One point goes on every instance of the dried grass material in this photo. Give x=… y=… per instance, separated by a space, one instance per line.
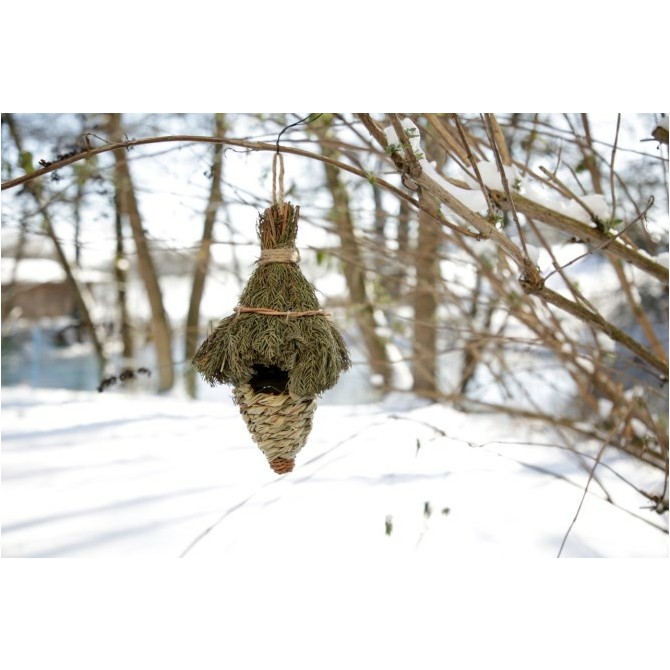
x=282 y=466
x=310 y=348
x=279 y=424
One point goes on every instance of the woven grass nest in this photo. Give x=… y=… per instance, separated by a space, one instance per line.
x=279 y=350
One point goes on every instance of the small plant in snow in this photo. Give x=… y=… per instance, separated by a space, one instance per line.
x=388 y=524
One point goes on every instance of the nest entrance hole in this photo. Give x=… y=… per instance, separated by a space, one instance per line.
x=269 y=379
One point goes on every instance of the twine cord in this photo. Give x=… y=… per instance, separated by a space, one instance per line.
x=290 y=255
x=273 y=312
x=278 y=178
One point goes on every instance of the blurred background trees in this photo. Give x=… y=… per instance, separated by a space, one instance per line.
x=511 y=262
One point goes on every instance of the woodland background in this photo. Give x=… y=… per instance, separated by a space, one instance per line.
x=511 y=263
x=359 y=606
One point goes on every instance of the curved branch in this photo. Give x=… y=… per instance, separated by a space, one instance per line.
x=245 y=144
x=595 y=319
x=585 y=233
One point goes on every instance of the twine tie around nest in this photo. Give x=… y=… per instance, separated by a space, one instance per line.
x=240 y=309
x=289 y=255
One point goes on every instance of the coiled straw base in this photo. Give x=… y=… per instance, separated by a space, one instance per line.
x=279 y=424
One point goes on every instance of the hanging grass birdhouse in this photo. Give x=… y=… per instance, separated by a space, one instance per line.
x=278 y=350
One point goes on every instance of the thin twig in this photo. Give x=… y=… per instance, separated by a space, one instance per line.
x=402 y=138
x=499 y=139
x=274 y=480
x=578 y=295
x=475 y=167
x=485 y=445
x=638 y=311
x=583 y=232
x=614 y=148
x=588 y=482
x=595 y=319
x=448 y=142
x=607 y=242
x=588 y=156
x=529 y=267
x=246 y=144
x=569 y=193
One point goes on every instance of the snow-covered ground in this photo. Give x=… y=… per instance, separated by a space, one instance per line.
x=120 y=474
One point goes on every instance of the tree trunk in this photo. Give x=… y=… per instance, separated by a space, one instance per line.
x=475 y=346
x=9 y=290
x=79 y=195
x=128 y=203
x=121 y=278
x=354 y=273
x=424 y=359
x=202 y=260
x=398 y=277
x=589 y=161
x=34 y=188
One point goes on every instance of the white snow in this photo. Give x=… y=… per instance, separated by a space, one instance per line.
x=595 y=202
x=546 y=197
x=585 y=364
x=538 y=192
x=473 y=199
x=413 y=136
x=116 y=475
x=490 y=175
x=533 y=253
x=605 y=406
x=32 y=270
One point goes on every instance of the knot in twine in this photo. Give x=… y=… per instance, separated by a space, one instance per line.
x=290 y=255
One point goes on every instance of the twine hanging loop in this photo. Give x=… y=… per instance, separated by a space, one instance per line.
x=278 y=179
